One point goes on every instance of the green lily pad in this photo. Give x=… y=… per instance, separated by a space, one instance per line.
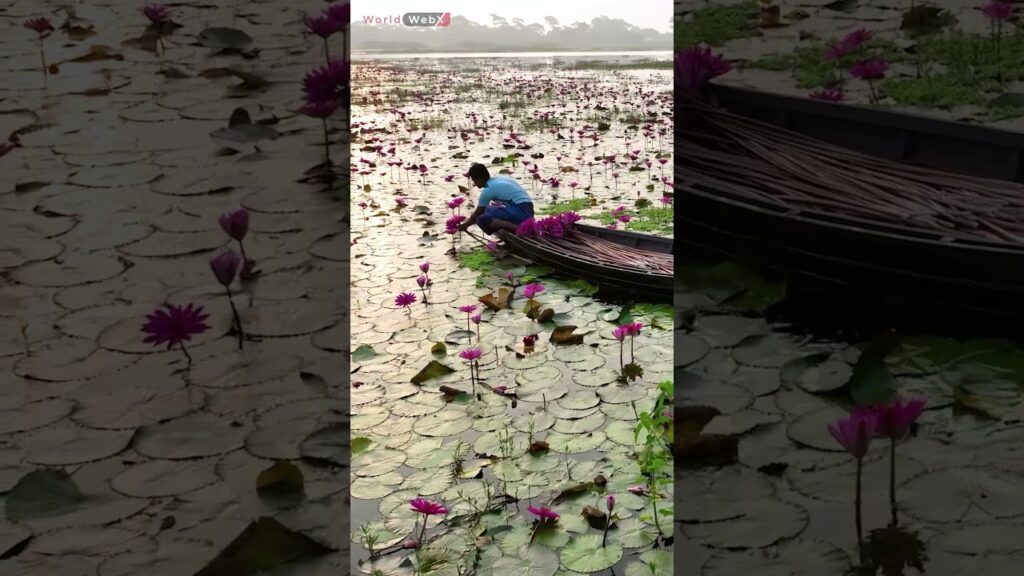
x=363 y=353
x=585 y=554
x=632 y=533
x=651 y=563
x=359 y=444
x=527 y=561
x=447 y=422
x=377 y=462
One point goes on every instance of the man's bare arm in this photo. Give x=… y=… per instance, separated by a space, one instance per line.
x=472 y=218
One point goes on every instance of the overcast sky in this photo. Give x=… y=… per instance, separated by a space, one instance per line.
x=656 y=14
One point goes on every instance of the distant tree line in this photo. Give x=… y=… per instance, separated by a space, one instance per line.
x=503 y=35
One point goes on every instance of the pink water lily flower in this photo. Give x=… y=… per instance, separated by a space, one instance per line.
x=40 y=26
x=997 y=10
x=235 y=224
x=854 y=433
x=157 y=13
x=532 y=289
x=468 y=308
x=544 y=513
x=225 y=267
x=425 y=267
x=405 y=300
x=175 y=326
x=828 y=95
x=427 y=507
x=475 y=319
x=529 y=340
x=470 y=354
x=870 y=69
x=620 y=332
x=893 y=420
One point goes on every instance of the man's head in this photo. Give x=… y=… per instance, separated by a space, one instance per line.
x=479 y=174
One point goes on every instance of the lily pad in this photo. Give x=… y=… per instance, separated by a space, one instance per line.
x=221 y=38
x=794 y=558
x=527 y=561
x=586 y=555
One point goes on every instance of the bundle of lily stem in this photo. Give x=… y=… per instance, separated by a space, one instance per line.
x=750 y=160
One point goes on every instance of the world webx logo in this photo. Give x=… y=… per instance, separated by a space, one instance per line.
x=437 y=19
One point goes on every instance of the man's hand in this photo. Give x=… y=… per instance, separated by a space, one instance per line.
x=464 y=226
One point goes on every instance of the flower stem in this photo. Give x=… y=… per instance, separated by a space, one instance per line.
x=424 y=530
x=607 y=523
x=42 y=55
x=892 y=480
x=237 y=318
x=860 y=539
x=622 y=366
x=874 y=96
x=185 y=350
x=327 y=140
x=327 y=52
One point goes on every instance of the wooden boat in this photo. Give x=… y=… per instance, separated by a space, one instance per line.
x=640 y=283
x=910 y=260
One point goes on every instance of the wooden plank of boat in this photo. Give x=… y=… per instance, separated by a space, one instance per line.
x=615 y=278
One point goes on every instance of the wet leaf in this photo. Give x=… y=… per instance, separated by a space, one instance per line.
x=433 y=369
x=281 y=485
x=263 y=546
x=439 y=348
x=360 y=445
x=364 y=353
x=44 y=493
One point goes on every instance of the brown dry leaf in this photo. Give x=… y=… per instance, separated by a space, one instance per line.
x=564 y=335
x=546 y=315
x=538 y=446
x=595 y=518
x=97 y=53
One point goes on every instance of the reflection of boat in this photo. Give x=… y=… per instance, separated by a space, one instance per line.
x=954 y=237
x=613 y=259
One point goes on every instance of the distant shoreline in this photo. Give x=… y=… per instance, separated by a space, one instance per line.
x=603 y=50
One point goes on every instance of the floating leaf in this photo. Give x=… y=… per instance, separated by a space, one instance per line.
x=281 y=485
x=439 y=348
x=433 y=369
x=817 y=373
x=43 y=493
x=263 y=546
x=219 y=38
x=363 y=353
x=652 y=563
x=360 y=445
x=585 y=554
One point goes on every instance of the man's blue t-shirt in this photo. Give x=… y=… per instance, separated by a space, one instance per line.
x=503 y=189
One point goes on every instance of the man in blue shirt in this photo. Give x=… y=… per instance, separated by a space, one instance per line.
x=512 y=205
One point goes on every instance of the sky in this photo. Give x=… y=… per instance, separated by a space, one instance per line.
x=656 y=14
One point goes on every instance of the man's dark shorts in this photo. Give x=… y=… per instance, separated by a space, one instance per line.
x=514 y=213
